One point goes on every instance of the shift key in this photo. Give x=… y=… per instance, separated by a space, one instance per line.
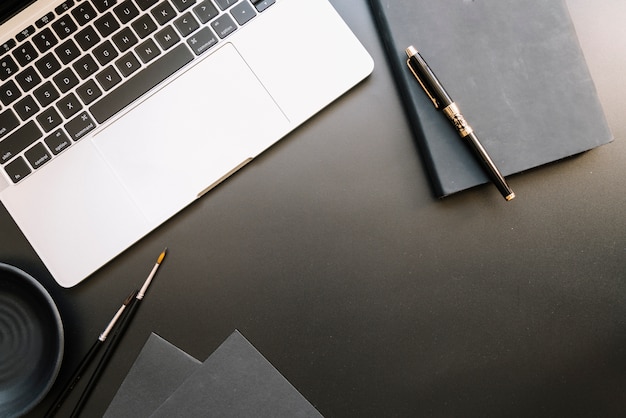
x=8 y=122
x=18 y=141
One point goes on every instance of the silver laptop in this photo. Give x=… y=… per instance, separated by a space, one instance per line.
x=116 y=114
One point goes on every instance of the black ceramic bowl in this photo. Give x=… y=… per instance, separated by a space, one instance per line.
x=31 y=342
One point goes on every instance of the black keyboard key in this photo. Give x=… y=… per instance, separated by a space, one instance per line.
x=144 y=26
x=84 y=13
x=124 y=39
x=57 y=141
x=127 y=64
x=44 y=20
x=87 y=38
x=89 y=92
x=164 y=12
x=7 y=46
x=67 y=51
x=108 y=78
x=225 y=4
x=126 y=11
x=106 y=25
x=147 y=51
x=186 y=24
x=243 y=12
x=202 y=41
x=167 y=37
x=46 y=94
x=25 y=54
x=223 y=26
x=85 y=66
x=49 y=119
x=8 y=67
x=45 y=40
x=205 y=11
x=8 y=122
x=69 y=105
x=48 y=65
x=135 y=87
x=25 y=33
x=103 y=5
x=26 y=108
x=9 y=92
x=18 y=141
x=28 y=79
x=37 y=155
x=105 y=53
x=80 y=126
x=64 y=27
x=18 y=169
x=64 y=7
x=65 y=80
x=145 y=4
x=183 y=5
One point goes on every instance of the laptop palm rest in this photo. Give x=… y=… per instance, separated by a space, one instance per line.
x=183 y=142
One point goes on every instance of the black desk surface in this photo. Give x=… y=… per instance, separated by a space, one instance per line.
x=373 y=298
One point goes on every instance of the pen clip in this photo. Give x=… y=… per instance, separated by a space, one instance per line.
x=412 y=53
x=419 y=80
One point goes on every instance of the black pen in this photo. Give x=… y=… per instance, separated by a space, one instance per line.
x=442 y=101
x=78 y=373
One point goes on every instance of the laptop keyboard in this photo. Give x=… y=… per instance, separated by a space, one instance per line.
x=83 y=62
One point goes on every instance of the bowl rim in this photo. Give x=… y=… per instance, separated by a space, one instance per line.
x=60 y=343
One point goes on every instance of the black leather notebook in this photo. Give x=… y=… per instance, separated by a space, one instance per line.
x=517 y=72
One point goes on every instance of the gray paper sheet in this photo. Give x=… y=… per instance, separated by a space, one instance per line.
x=159 y=369
x=236 y=381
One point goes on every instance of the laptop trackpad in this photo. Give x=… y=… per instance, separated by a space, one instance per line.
x=190 y=134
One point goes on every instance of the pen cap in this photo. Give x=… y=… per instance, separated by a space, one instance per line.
x=427 y=79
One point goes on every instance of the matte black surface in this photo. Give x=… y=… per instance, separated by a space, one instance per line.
x=370 y=296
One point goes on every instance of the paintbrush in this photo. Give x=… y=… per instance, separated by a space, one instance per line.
x=127 y=316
